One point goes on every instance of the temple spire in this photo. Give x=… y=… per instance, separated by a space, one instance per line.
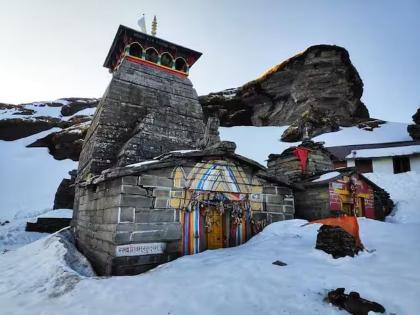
x=154 y=26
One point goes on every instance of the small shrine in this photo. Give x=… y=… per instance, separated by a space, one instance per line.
x=133 y=218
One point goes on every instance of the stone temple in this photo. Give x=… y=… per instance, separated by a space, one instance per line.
x=145 y=192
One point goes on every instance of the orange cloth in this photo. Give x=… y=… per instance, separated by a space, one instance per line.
x=347 y=223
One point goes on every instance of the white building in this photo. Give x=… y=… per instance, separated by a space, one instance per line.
x=391 y=158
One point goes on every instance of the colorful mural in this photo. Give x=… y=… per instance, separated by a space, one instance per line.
x=215 y=199
x=352 y=195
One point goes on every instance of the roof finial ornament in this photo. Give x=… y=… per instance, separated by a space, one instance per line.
x=142 y=24
x=154 y=26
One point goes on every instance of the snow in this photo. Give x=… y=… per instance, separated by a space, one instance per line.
x=258 y=142
x=49 y=276
x=326 y=176
x=183 y=151
x=29 y=177
x=404 y=189
x=43 y=109
x=58 y=213
x=38 y=279
x=394 y=151
x=13 y=234
x=142 y=163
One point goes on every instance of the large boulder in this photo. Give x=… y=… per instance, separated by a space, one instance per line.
x=66 y=143
x=322 y=77
x=64 y=197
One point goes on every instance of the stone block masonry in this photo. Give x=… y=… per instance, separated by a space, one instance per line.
x=121 y=215
x=143 y=113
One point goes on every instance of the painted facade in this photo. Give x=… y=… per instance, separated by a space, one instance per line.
x=349 y=193
x=352 y=195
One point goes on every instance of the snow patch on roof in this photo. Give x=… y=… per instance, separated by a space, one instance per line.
x=381 y=152
x=326 y=176
x=142 y=163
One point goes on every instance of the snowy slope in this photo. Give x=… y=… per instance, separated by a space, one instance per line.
x=404 y=189
x=258 y=142
x=36 y=279
x=49 y=277
x=29 y=177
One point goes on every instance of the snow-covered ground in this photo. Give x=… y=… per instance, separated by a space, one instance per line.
x=49 y=277
x=404 y=189
x=29 y=177
x=13 y=234
x=258 y=142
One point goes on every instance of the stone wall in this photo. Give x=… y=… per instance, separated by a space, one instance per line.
x=126 y=210
x=288 y=165
x=137 y=210
x=143 y=113
x=313 y=203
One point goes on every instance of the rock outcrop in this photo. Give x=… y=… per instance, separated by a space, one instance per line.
x=64 y=197
x=414 y=130
x=66 y=143
x=322 y=78
x=336 y=241
x=23 y=120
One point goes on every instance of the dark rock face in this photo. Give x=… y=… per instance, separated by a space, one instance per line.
x=77 y=104
x=322 y=77
x=416 y=117
x=64 y=197
x=66 y=143
x=337 y=242
x=47 y=225
x=17 y=128
x=144 y=113
x=23 y=120
x=312 y=123
x=414 y=130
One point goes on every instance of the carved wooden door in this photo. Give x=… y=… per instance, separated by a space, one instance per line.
x=214 y=230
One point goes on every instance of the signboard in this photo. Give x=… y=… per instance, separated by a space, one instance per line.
x=140 y=249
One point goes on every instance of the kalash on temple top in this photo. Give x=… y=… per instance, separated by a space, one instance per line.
x=140 y=47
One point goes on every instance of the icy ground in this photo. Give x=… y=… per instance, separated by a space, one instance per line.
x=49 y=277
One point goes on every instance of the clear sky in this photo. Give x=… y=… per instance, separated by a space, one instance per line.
x=55 y=48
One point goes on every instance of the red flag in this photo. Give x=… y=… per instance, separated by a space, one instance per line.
x=302 y=154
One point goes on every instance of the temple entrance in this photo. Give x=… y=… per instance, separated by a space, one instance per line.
x=214 y=229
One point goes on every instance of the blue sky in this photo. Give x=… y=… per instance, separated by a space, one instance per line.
x=55 y=48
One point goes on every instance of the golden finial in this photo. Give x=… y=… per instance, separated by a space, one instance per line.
x=154 y=26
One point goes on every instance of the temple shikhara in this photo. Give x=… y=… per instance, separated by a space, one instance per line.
x=154 y=182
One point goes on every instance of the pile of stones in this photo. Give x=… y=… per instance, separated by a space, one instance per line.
x=336 y=241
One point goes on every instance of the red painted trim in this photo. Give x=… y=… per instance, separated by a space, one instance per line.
x=156 y=66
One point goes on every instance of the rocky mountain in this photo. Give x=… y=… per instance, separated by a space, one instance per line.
x=414 y=129
x=319 y=82
x=60 y=126
x=71 y=115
